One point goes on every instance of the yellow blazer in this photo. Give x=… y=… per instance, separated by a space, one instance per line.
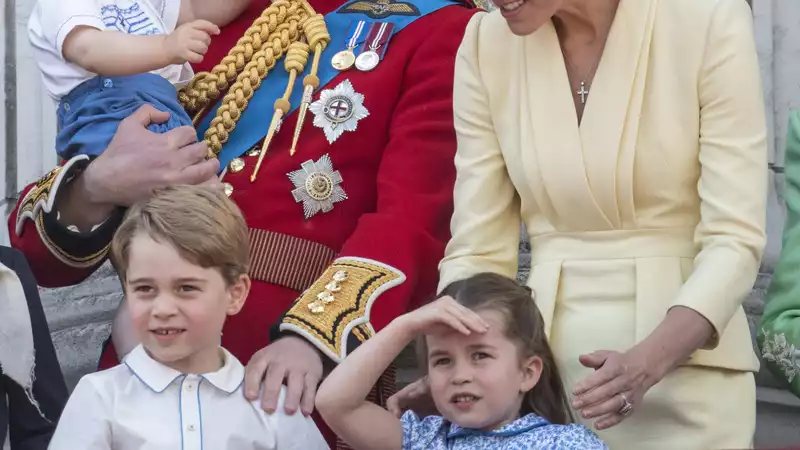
x=668 y=167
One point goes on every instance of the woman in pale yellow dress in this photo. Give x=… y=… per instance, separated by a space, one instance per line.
x=629 y=137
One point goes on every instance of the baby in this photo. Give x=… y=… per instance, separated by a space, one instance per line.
x=103 y=59
x=183 y=260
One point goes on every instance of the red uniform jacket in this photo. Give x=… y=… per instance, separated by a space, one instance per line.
x=381 y=244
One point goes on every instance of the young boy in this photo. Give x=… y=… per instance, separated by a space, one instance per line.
x=103 y=59
x=183 y=260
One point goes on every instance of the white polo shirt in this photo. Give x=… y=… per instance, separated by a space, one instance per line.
x=144 y=405
x=52 y=20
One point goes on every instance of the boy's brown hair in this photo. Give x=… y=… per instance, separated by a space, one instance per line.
x=203 y=224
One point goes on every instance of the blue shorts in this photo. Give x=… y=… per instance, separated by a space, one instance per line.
x=88 y=116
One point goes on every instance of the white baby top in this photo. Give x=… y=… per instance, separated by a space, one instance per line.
x=52 y=20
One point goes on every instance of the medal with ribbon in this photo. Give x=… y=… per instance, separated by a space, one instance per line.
x=374 y=46
x=346 y=58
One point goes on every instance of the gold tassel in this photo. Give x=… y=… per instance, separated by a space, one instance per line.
x=318 y=37
x=295 y=62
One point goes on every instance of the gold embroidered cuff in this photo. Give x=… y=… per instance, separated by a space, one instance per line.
x=41 y=198
x=71 y=247
x=339 y=304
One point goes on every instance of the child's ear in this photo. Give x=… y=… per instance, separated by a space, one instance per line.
x=531 y=372
x=237 y=292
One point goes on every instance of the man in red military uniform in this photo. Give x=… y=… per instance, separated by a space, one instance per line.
x=349 y=210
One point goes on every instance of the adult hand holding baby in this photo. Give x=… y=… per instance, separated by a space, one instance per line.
x=136 y=163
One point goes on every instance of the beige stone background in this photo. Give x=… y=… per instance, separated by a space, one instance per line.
x=79 y=316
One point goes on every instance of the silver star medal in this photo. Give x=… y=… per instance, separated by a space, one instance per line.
x=317 y=185
x=338 y=110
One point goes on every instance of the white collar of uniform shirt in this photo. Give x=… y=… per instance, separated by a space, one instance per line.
x=158 y=377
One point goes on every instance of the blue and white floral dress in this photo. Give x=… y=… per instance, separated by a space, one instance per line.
x=526 y=433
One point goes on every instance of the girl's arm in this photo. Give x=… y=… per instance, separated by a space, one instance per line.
x=112 y=53
x=342 y=397
x=217 y=12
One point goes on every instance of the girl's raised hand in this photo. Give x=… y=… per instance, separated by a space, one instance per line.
x=443 y=315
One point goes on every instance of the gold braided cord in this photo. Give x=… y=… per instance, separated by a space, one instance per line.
x=205 y=87
x=235 y=101
x=316 y=33
x=275 y=33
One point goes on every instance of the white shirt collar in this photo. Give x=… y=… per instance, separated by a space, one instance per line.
x=158 y=377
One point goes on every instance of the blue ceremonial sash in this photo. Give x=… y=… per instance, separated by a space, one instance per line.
x=253 y=124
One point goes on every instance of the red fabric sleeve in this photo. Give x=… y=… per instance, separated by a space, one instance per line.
x=48 y=270
x=57 y=256
x=410 y=227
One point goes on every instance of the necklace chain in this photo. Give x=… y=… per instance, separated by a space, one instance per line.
x=583 y=92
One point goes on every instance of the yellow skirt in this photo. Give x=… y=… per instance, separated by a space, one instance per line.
x=692 y=408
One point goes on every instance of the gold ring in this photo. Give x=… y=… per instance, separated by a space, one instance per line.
x=626 y=407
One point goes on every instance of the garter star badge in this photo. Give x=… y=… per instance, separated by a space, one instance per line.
x=317 y=186
x=338 y=110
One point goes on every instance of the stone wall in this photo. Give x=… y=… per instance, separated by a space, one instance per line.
x=80 y=320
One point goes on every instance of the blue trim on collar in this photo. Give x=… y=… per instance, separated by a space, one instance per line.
x=200 y=412
x=519 y=426
x=156 y=376
x=180 y=410
x=229 y=377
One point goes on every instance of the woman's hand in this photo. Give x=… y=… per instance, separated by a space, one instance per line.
x=416 y=397
x=623 y=378
x=617 y=386
x=443 y=315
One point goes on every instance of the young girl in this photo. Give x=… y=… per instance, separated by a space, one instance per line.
x=103 y=59
x=490 y=370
